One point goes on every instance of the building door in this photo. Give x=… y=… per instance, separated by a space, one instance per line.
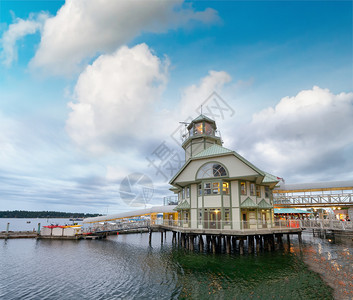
x=245 y=219
x=215 y=218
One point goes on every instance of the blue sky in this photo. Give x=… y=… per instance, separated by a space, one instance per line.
x=89 y=91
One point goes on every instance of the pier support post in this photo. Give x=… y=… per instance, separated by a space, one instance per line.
x=250 y=240
x=208 y=242
x=300 y=238
x=213 y=242
x=257 y=238
x=234 y=243
x=150 y=237
x=241 y=246
x=200 y=243
x=162 y=237
x=182 y=235
x=228 y=245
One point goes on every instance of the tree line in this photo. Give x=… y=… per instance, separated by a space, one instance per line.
x=43 y=214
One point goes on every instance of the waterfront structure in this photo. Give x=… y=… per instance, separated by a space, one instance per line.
x=217 y=188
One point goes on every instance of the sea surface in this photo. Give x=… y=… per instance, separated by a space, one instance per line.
x=126 y=267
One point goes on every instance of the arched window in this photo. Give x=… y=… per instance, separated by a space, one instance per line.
x=211 y=170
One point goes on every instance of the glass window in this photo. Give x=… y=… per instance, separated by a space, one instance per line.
x=225 y=188
x=208 y=129
x=215 y=188
x=200 y=216
x=252 y=189
x=198 y=128
x=243 y=188
x=200 y=190
x=267 y=192
x=211 y=170
x=183 y=194
x=188 y=192
x=227 y=215
x=258 y=191
x=207 y=188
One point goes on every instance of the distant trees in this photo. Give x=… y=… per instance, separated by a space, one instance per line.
x=43 y=214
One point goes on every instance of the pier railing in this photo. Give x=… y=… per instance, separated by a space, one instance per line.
x=252 y=225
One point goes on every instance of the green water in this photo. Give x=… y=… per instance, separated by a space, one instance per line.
x=277 y=275
x=126 y=267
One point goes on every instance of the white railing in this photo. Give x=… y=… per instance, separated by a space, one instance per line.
x=231 y=225
x=312 y=199
x=327 y=224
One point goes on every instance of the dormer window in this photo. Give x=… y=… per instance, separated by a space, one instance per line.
x=211 y=170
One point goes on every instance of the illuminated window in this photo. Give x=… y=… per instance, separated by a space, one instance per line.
x=198 y=128
x=225 y=188
x=227 y=216
x=258 y=191
x=252 y=189
x=215 y=188
x=243 y=188
x=211 y=170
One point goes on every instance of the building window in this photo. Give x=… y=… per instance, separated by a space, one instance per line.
x=227 y=216
x=211 y=170
x=200 y=216
x=258 y=191
x=200 y=190
x=207 y=188
x=243 y=188
x=252 y=189
x=183 y=194
x=215 y=188
x=188 y=192
x=225 y=188
x=198 y=128
x=267 y=192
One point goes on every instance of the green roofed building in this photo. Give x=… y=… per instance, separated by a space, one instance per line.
x=218 y=188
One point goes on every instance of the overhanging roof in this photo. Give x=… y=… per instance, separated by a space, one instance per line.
x=182 y=205
x=264 y=204
x=248 y=203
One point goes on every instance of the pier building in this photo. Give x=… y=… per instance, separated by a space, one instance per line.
x=217 y=188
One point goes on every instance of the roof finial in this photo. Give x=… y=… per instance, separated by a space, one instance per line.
x=201 y=109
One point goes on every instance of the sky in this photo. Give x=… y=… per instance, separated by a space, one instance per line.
x=92 y=93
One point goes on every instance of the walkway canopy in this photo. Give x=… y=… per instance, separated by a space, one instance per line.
x=315 y=187
x=133 y=213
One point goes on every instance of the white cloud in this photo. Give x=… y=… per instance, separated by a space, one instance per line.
x=194 y=95
x=116 y=97
x=305 y=136
x=84 y=28
x=16 y=31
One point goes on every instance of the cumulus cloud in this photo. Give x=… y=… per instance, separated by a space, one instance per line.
x=305 y=134
x=115 y=98
x=84 y=28
x=194 y=95
x=15 y=32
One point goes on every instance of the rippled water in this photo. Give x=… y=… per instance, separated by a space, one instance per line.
x=125 y=267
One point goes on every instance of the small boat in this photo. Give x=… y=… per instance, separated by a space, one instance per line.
x=76 y=219
x=28 y=222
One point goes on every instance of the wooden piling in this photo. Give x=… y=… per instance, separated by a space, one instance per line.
x=200 y=243
x=241 y=246
x=213 y=242
x=228 y=245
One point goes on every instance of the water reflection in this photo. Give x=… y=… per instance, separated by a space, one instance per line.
x=126 y=267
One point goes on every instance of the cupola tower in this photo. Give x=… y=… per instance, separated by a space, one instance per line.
x=201 y=134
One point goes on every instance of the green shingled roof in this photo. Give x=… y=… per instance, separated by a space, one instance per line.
x=248 y=203
x=270 y=178
x=264 y=204
x=213 y=150
x=203 y=117
x=290 y=211
x=182 y=205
